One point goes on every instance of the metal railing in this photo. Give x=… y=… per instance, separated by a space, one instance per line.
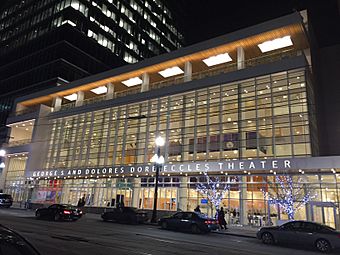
x=225 y=68
x=18 y=142
x=25 y=111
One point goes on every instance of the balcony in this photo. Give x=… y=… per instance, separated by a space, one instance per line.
x=18 y=143
x=222 y=69
x=25 y=111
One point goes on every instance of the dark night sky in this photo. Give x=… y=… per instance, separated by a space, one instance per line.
x=200 y=20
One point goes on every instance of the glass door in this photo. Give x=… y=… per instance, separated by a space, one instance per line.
x=325 y=213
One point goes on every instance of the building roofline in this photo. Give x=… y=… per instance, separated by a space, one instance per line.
x=205 y=45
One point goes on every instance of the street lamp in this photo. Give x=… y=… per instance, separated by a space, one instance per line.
x=158 y=160
x=2 y=154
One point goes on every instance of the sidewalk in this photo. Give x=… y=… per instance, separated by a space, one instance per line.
x=248 y=232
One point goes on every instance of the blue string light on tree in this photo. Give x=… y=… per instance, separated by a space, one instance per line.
x=288 y=196
x=213 y=189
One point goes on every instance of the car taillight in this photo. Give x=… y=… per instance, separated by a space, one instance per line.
x=67 y=212
x=208 y=222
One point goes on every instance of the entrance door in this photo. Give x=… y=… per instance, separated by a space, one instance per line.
x=324 y=213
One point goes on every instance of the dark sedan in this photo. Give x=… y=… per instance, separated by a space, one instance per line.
x=58 y=212
x=189 y=221
x=13 y=243
x=302 y=233
x=128 y=215
x=5 y=200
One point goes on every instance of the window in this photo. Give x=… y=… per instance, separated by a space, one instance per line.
x=292 y=226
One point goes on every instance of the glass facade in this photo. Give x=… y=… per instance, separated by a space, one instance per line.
x=15 y=183
x=263 y=117
x=244 y=198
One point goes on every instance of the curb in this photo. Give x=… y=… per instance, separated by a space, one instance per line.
x=18 y=208
x=233 y=234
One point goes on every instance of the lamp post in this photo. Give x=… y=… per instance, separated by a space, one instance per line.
x=2 y=164
x=2 y=154
x=158 y=160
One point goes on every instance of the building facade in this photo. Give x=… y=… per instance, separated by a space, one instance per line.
x=236 y=112
x=51 y=43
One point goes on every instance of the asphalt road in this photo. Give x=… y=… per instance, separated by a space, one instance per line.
x=90 y=235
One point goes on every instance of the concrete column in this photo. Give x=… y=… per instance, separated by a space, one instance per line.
x=183 y=195
x=187 y=71
x=80 y=98
x=57 y=103
x=39 y=145
x=110 y=91
x=243 y=201
x=240 y=58
x=146 y=82
x=3 y=174
x=136 y=191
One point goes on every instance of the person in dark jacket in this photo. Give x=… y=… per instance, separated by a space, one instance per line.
x=197 y=209
x=221 y=219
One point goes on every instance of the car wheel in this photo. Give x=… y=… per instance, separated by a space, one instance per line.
x=323 y=245
x=164 y=225
x=267 y=238
x=37 y=215
x=57 y=217
x=195 y=229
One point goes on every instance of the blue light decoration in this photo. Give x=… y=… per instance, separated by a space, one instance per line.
x=289 y=197
x=214 y=190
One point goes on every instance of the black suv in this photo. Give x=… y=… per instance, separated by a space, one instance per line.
x=6 y=200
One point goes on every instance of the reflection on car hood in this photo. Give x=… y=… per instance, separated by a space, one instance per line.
x=12 y=238
x=269 y=228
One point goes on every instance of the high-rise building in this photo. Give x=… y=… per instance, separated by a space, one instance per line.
x=46 y=43
x=238 y=109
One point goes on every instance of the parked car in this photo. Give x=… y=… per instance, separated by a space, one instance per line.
x=189 y=221
x=302 y=233
x=13 y=243
x=128 y=215
x=5 y=200
x=58 y=212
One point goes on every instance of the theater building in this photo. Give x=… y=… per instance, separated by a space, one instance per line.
x=239 y=108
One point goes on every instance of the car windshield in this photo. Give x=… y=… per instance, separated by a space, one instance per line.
x=201 y=215
x=5 y=196
x=66 y=206
x=328 y=228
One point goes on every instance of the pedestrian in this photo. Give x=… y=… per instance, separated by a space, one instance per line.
x=79 y=203
x=82 y=204
x=221 y=219
x=197 y=209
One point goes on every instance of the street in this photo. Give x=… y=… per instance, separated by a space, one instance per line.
x=90 y=235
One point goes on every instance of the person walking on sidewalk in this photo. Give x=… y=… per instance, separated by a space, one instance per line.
x=221 y=219
x=197 y=209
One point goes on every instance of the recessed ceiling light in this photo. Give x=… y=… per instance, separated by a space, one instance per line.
x=132 y=82
x=172 y=71
x=275 y=44
x=72 y=97
x=218 y=59
x=100 y=90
